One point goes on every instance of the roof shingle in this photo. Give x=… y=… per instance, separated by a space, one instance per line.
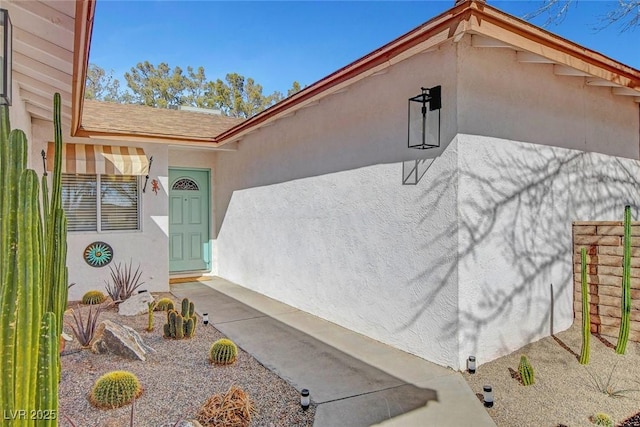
x=132 y=119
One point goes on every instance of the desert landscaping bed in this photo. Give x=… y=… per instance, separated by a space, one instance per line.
x=177 y=379
x=564 y=392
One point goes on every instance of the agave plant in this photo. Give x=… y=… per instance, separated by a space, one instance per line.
x=85 y=331
x=124 y=282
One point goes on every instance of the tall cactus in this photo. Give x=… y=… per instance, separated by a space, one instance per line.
x=33 y=287
x=526 y=371
x=623 y=336
x=181 y=325
x=586 y=319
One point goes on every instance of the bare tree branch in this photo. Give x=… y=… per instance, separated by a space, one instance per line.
x=626 y=13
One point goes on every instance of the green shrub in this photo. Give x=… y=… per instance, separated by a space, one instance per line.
x=93 y=297
x=115 y=389
x=223 y=352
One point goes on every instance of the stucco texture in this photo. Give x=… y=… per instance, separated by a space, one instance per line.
x=147 y=247
x=475 y=257
x=313 y=211
x=516 y=203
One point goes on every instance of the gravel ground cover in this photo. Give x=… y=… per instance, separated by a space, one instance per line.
x=177 y=379
x=564 y=392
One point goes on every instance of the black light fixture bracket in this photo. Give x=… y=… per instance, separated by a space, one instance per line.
x=429 y=100
x=6 y=48
x=146 y=178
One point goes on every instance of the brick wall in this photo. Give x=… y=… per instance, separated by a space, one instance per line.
x=603 y=240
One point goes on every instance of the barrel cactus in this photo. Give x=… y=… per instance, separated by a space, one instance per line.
x=164 y=304
x=93 y=297
x=602 y=419
x=526 y=371
x=223 y=352
x=115 y=389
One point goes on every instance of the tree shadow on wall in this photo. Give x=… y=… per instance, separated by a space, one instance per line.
x=515 y=207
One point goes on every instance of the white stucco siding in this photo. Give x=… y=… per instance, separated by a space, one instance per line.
x=504 y=98
x=147 y=247
x=18 y=115
x=312 y=211
x=516 y=205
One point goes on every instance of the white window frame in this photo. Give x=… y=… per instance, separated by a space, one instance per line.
x=98 y=217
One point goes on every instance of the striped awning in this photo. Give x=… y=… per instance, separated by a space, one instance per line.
x=100 y=159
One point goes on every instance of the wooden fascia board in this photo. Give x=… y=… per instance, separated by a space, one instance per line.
x=146 y=137
x=85 y=10
x=493 y=23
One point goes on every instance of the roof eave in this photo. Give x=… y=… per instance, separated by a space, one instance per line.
x=491 y=22
x=149 y=137
x=473 y=17
x=429 y=35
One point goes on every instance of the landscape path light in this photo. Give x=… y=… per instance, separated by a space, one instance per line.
x=487 y=393
x=471 y=364
x=304 y=399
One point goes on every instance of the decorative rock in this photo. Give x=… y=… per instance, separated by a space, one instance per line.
x=136 y=304
x=183 y=423
x=118 y=339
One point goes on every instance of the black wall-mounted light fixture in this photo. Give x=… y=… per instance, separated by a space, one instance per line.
x=5 y=57
x=424 y=118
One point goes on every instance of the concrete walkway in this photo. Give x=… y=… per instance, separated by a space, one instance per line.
x=354 y=380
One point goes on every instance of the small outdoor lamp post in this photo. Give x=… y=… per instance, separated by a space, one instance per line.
x=487 y=393
x=304 y=399
x=424 y=129
x=471 y=364
x=205 y=318
x=5 y=57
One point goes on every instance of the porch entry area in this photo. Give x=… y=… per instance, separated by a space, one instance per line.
x=189 y=220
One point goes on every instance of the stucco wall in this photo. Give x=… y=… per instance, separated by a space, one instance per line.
x=516 y=204
x=312 y=211
x=147 y=247
x=528 y=102
x=18 y=115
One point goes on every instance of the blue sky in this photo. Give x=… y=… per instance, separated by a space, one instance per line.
x=279 y=42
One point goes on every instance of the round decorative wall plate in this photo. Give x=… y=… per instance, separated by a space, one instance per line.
x=98 y=254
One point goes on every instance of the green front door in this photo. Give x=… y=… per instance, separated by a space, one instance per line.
x=188 y=220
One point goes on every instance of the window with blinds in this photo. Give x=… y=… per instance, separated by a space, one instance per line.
x=116 y=209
